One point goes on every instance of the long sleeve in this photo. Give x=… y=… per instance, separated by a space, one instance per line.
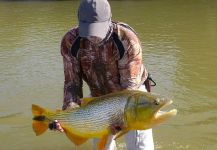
x=72 y=71
x=131 y=68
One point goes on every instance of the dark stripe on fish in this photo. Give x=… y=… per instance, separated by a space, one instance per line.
x=39 y=118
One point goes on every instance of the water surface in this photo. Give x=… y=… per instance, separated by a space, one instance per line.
x=179 y=41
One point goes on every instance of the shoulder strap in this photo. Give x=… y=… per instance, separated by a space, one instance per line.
x=117 y=40
x=127 y=26
x=75 y=46
x=118 y=44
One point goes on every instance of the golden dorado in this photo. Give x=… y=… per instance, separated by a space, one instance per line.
x=97 y=116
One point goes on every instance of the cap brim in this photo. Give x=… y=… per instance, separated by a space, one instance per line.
x=99 y=29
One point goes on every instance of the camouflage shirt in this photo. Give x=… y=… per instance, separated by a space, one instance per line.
x=100 y=65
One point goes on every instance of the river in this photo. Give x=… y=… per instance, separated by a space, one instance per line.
x=179 y=39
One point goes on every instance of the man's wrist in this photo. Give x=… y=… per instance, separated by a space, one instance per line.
x=72 y=103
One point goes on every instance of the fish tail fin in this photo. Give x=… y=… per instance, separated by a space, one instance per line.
x=39 y=124
x=39 y=127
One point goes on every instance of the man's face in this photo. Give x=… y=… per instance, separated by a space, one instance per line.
x=94 y=39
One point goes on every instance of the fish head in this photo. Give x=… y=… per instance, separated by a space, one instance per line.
x=147 y=110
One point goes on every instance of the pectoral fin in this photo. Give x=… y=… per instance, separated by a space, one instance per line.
x=77 y=140
x=119 y=134
x=102 y=142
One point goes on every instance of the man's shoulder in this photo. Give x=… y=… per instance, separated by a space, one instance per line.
x=126 y=33
x=125 y=27
x=71 y=35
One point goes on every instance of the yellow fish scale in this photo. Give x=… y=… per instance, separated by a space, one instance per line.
x=97 y=116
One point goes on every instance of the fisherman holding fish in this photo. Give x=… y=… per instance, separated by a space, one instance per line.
x=107 y=55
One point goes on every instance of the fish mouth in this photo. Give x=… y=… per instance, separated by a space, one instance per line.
x=161 y=116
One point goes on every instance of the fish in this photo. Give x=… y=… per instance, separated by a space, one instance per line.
x=98 y=116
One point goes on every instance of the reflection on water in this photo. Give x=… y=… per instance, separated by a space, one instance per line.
x=180 y=50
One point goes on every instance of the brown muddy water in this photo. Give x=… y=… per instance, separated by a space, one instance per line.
x=179 y=39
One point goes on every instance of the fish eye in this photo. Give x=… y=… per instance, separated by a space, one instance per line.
x=156 y=102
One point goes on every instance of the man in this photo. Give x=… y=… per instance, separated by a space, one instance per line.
x=108 y=57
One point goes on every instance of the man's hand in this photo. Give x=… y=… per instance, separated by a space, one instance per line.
x=70 y=105
x=56 y=126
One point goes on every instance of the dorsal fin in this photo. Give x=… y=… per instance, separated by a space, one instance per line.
x=87 y=100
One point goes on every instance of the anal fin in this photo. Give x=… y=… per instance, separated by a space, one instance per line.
x=102 y=142
x=77 y=140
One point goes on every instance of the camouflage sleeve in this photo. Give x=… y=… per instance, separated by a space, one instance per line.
x=73 y=77
x=131 y=69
